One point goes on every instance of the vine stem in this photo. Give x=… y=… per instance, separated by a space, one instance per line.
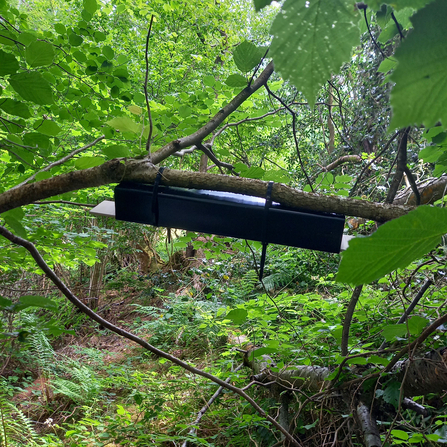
x=31 y=248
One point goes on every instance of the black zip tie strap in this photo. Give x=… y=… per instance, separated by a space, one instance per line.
x=268 y=202
x=155 y=195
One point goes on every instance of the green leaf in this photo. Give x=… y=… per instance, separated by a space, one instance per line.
x=209 y=80
x=386 y=65
x=420 y=91
x=75 y=40
x=236 y=80
x=39 y=54
x=391 y=393
x=259 y=4
x=88 y=162
x=399 y=434
x=60 y=28
x=394 y=245
x=90 y=6
x=49 y=128
x=14 y=107
x=431 y=154
x=247 y=55
x=311 y=41
x=116 y=151
x=392 y=331
x=4 y=302
x=237 y=316
x=32 y=87
x=8 y=63
x=27 y=38
x=108 y=52
x=417 y=324
x=123 y=124
x=37 y=301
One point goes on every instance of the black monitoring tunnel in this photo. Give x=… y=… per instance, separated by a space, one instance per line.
x=228 y=214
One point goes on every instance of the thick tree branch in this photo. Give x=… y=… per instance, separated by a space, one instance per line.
x=95 y=317
x=430 y=191
x=143 y=171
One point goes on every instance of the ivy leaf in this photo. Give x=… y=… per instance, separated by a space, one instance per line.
x=16 y=108
x=32 y=87
x=312 y=40
x=394 y=245
x=236 y=80
x=8 y=63
x=123 y=124
x=247 y=55
x=420 y=91
x=39 y=53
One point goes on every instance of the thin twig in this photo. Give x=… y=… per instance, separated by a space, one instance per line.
x=148 y=142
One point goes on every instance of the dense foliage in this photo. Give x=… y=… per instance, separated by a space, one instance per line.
x=341 y=100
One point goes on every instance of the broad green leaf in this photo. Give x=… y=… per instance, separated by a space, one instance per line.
x=237 y=316
x=8 y=63
x=431 y=154
x=259 y=4
x=88 y=162
x=392 y=331
x=135 y=110
x=311 y=41
x=420 y=91
x=386 y=65
x=60 y=28
x=27 y=38
x=184 y=111
x=75 y=40
x=236 y=80
x=209 y=80
x=247 y=55
x=123 y=124
x=399 y=434
x=38 y=301
x=4 y=302
x=48 y=127
x=417 y=324
x=32 y=87
x=90 y=6
x=108 y=52
x=39 y=54
x=116 y=151
x=391 y=393
x=394 y=245
x=14 y=107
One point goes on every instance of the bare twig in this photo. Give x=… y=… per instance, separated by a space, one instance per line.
x=340 y=161
x=149 y=137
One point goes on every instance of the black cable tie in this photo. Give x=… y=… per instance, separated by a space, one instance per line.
x=154 y=207
x=268 y=202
